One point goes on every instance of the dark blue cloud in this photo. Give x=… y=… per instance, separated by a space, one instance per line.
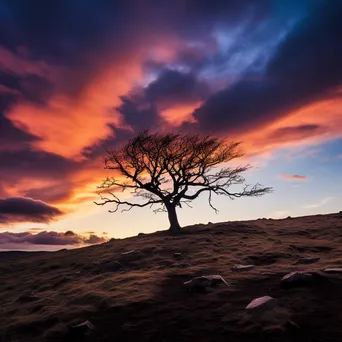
x=176 y=87
x=305 y=67
x=21 y=209
x=48 y=238
x=61 y=30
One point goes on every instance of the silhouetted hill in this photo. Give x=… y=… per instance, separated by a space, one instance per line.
x=133 y=289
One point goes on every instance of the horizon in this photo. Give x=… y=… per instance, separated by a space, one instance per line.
x=57 y=248
x=78 y=79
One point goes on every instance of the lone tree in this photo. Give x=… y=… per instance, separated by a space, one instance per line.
x=168 y=170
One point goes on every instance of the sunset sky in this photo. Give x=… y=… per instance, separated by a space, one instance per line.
x=80 y=76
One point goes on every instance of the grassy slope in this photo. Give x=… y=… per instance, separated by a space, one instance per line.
x=147 y=302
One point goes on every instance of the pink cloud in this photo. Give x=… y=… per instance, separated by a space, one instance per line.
x=293 y=177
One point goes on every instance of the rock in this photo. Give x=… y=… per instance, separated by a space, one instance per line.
x=241 y=268
x=141 y=234
x=86 y=324
x=289 y=217
x=79 y=330
x=333 y=270
x=265 y=302
x=203 y=282
x=129 y=252
x=177 y=255
x=320 y=277
x=112 y=266
x=292 y=325
x=306 y=260
x=296 y=279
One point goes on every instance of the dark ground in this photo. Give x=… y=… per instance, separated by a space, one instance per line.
x=146 y=300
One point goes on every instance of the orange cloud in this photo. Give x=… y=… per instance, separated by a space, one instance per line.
x=179 y=114
x=67 y=125
x=313 y=124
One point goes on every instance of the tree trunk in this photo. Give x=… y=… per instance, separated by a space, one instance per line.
x=174 y=224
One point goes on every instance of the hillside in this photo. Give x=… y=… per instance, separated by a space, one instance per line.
x=141 y=297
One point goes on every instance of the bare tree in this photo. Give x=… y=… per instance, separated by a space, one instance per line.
x=168 y=170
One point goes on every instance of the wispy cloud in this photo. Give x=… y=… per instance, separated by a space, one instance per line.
x=292 y=177
x=319 y=204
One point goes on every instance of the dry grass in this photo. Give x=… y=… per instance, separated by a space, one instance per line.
x=147 y=302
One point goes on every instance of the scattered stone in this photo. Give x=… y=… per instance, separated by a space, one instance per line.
x=241 y=268
x=129 y=252
x=203 y=282
x=333 y=270
x=292 y=325
x=307 y=260
x=79 y=330
x=86 y=324
x=265 y=302
x=112 y=266
x=177 y=255
x=296 y=279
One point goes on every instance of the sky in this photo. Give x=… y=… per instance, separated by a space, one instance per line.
x=79 y=77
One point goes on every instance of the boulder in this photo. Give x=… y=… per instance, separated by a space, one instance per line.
x=296 y=279
x=333 y=270
x=307 y=260
x=84 y=325
x=79 y=331
x=262 y=303
x=242 y=268
x=203 y=282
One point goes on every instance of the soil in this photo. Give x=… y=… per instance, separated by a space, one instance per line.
x=43 y=295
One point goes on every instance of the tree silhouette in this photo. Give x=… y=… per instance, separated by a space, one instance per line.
x=168 y=170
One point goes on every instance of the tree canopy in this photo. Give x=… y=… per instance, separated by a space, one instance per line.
x=167 y=170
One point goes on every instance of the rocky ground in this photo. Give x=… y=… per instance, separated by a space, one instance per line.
x=133 y=289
